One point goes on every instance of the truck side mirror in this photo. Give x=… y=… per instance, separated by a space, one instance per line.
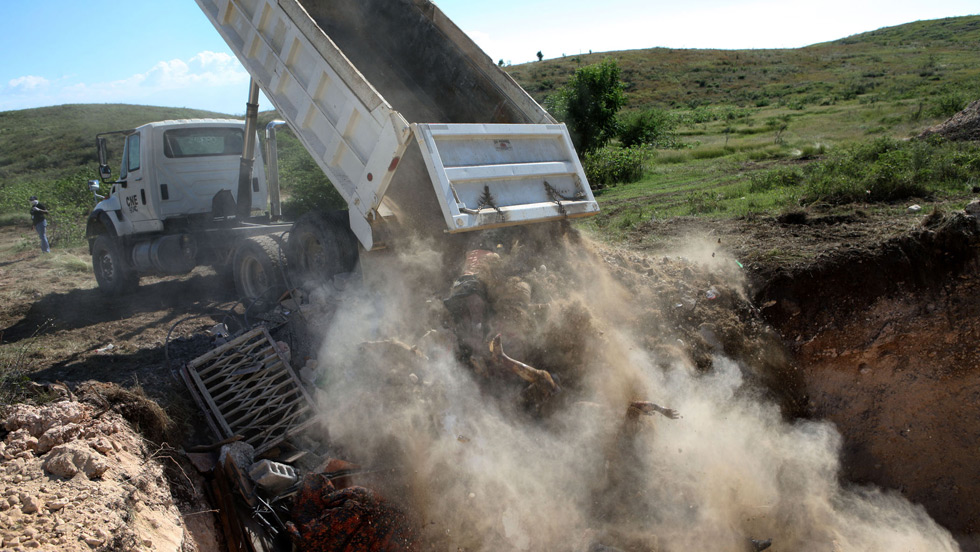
x=104 y=171
x=100 y=148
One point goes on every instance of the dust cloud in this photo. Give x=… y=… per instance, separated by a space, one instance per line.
x=482 y=462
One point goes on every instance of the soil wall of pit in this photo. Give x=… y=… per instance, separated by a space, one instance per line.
x=886 y=341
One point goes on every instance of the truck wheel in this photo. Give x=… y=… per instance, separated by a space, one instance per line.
x=257 y=271
x=320 y=246
x=114 y=276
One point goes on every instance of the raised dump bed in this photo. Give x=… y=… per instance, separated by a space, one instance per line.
x=405 y=114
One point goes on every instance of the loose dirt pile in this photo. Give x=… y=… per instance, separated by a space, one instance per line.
x=74 y=476
x=965 y=125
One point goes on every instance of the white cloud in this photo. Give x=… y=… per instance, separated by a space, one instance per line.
x=208 y=80
x=206 y=69
x=29 y=83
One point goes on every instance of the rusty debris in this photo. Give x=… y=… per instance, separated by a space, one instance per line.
x=328 y=518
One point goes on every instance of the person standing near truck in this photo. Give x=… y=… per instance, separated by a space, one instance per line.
x=39 y=222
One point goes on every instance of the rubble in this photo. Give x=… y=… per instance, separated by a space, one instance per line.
x=349 y=519
x=75 y=477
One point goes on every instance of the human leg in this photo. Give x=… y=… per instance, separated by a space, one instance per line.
x=42 y=233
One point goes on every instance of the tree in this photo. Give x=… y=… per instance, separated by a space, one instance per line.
x=501 y=62
x=540 y=55
x=588 y=105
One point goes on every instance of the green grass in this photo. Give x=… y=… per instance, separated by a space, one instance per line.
x=736 y=114
x=903 y=62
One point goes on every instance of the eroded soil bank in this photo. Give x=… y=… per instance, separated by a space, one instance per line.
x=886 y=340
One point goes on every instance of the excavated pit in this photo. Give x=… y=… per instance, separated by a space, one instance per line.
x=887 y=346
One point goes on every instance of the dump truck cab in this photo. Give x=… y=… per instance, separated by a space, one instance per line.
x=176 y=173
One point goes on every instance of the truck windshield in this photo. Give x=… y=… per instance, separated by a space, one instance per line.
x=199 y=142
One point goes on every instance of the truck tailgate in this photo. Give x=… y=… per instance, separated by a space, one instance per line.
x=490 y=175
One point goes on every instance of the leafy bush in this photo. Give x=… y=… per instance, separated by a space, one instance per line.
x=947 y=105
x=765 y=181
x=68 y=200
x=308 y=189
x=588 y=105
x=609 y=166
x=702 y=203
x=890 y=170
x=653 y=127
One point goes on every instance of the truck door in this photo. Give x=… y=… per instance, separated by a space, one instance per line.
x=134 y=192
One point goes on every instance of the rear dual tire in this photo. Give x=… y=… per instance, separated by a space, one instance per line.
x=321 y=245
x=258 y=271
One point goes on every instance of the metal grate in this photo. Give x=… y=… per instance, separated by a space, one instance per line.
x=246 y=387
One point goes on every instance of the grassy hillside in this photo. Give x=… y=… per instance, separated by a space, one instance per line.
x=895 y=63
x=49 y=142
x=738 y=114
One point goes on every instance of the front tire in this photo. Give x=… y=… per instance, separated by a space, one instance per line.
x=114 y=276
x=258 y=272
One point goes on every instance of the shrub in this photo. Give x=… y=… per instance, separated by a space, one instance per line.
x=609 y=166
x=947 y=105
x=309 y=189
x=68 y=200
x=890 y=170
x=765 y=181
x=702 y=203
x=653 y=127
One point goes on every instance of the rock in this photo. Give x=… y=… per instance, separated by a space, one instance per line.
x=58 y=435
x=913 y=209
x=973 y=208
x=20 y=440
x=69 y=459
x=38 y=420
x=102 y=445
x=23 y=417
x=242 y=454
x=29 y=504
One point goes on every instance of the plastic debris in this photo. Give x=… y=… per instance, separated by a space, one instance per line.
x=913 y=209
x=711 y=294
x=106 y=349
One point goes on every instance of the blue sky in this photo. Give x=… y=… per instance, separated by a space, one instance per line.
x=164 y=52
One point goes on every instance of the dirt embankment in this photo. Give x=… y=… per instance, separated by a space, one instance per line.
x=886 y=340
x=75 y=475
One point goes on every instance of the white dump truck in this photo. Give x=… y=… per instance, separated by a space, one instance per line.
x=416 y=128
